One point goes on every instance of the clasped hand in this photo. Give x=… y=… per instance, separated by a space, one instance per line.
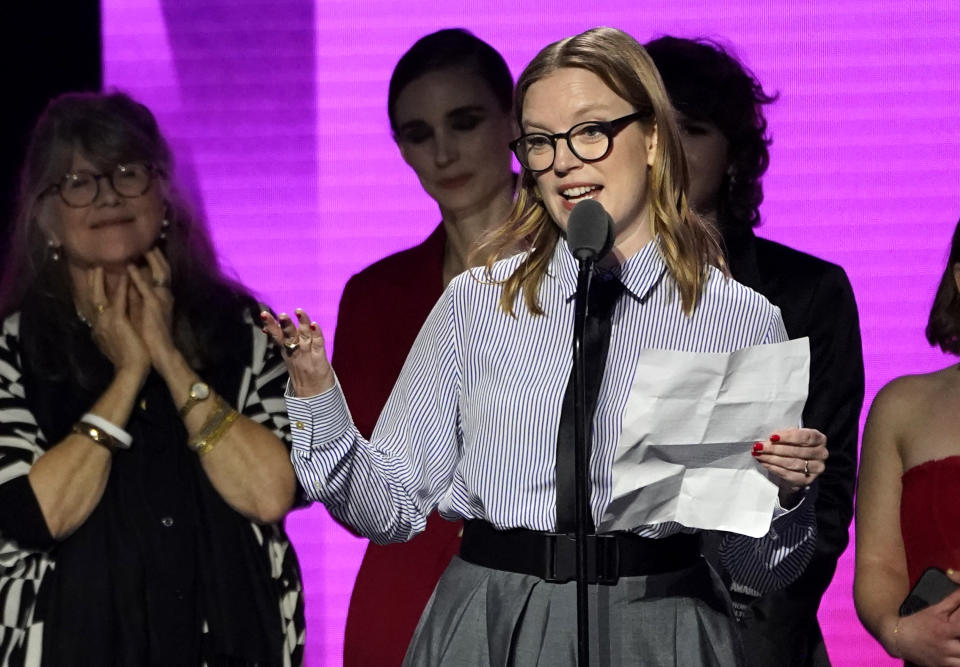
x=132 y=317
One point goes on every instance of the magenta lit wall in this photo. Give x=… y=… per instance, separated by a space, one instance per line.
x=276 y=109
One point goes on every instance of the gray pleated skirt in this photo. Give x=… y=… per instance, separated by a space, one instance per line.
x=490 y=618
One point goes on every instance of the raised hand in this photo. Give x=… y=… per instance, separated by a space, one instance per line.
x=303 y=352
x=112 y=329
x=151 y=306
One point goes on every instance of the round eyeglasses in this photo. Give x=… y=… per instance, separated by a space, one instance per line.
x=590 y=141
x=81 y=188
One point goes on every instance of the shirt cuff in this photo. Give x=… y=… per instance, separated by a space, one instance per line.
x=317 y=420
x=778 y=509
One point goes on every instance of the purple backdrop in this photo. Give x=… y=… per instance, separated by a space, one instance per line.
x=276 y=109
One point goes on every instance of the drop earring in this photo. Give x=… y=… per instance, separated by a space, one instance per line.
x=731 y=178
x=164 y=226
x=53 y=249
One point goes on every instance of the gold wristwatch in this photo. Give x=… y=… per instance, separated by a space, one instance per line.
x=199 y=391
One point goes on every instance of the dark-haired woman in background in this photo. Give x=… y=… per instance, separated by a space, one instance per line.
x=449 y=106
x=907 y=499
x=719 y=107
x=144 y=469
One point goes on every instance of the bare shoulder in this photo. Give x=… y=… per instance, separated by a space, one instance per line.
x=908 y=390
x=912 y=400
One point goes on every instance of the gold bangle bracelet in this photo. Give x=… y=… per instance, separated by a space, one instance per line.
x=203 y=447
x=98 y=435
x=220 y=410
x=214 y=427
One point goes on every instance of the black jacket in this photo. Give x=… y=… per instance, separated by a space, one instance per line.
x=816 y=300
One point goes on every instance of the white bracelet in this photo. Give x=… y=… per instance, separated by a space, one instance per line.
x=124 y=439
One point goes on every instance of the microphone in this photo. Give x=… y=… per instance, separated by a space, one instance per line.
x=590 y=237
x=589 y=231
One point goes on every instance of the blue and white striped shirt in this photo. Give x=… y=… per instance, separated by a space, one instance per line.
x=471 y=425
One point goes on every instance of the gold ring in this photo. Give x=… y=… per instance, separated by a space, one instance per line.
x=100 y=308
x=159 y=282
x=806 y=468
x=291 y=348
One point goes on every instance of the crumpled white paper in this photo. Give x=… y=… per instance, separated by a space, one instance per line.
x=688 y=431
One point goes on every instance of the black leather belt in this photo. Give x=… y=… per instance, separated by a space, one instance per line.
x=552 y=556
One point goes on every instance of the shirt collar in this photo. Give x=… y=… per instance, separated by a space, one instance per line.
x=640 y=275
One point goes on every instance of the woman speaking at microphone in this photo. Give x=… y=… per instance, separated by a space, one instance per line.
x=471 y=427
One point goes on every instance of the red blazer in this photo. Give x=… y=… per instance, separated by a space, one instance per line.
x=381 y=312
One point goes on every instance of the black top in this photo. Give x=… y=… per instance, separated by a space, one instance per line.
x=816 y=300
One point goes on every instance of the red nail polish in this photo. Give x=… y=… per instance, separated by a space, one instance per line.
x=263 y=316
x=313 y=326
x=755 y=453
x=757 y=447
x=774 y=438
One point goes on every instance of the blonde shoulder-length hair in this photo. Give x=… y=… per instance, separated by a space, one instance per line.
x=688 y=244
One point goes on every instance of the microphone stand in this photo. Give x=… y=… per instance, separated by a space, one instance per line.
x=581 y=462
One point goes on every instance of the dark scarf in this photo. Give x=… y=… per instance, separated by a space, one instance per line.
x=162 y=551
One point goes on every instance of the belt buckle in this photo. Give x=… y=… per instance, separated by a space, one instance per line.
x=605 y=569
x=560 y=558
x=603 y=559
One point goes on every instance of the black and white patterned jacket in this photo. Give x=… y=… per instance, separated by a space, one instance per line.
x=22 y=570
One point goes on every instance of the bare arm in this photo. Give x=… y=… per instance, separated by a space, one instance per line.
x=69 y=479
x=880 y=581
x=250 y=466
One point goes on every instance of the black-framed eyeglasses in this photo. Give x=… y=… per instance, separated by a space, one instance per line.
x=589 y=141
x=81 y=188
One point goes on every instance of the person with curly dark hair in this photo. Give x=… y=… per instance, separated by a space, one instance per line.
x=906 y=500
x=719 y=108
